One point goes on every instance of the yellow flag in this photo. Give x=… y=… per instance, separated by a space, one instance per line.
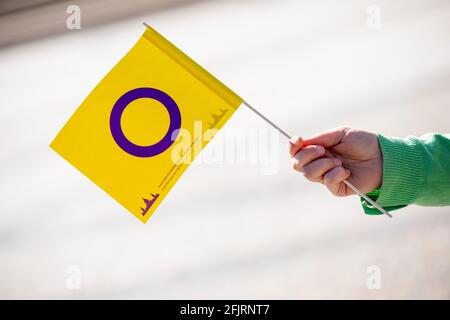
x=126 y=135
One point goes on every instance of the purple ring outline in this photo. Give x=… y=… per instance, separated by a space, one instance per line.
x=154 y=149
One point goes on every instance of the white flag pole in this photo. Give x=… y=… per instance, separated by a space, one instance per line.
x=350 y=185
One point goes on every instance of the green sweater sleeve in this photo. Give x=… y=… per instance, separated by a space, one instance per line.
x=415 y=171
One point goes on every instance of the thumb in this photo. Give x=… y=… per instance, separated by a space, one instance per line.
x=327 y=138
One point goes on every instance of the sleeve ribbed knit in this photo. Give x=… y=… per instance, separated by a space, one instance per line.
x=415 y=170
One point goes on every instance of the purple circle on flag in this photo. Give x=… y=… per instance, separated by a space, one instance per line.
x=127 y=145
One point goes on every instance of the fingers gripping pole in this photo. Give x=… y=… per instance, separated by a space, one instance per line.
x=347 y=183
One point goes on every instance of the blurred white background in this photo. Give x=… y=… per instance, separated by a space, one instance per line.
x=225 y=231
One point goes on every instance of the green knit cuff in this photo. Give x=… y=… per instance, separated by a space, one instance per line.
x=402 y=174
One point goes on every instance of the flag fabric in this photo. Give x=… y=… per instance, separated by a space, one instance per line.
x=126 y=134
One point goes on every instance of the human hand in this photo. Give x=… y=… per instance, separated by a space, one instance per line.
x=351 y=154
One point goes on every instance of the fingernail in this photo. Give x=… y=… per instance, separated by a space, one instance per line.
x=320 y=149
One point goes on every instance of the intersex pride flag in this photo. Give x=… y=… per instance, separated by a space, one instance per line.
x=123 y=134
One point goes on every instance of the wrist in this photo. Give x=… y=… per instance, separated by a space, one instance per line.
x=402 y=167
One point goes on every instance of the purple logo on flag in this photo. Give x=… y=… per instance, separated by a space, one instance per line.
x=127 y=145
x=149 y=203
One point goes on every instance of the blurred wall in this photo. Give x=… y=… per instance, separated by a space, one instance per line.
x=28 y=20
